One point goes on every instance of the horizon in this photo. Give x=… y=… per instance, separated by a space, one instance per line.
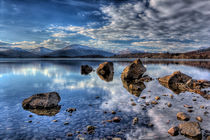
x=113 y=26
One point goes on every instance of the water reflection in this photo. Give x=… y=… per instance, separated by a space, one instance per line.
x=20 y=80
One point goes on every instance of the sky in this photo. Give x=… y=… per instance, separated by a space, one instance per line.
x=111 y=25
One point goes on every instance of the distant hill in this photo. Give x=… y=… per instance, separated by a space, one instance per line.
x=9 y=52
x=40 y=51
x=79 y=51
x=198 y=54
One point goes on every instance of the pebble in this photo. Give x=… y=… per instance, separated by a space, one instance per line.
x=109 y=120
x=190 y=110
x=71 y=110
x=97 y=97
x=182 y=116
x=116 y=119
x=135 y=120
x=30 y=115
x=90 y=129
x=69 y=134
x=202 y=107
x=113 y=112
x=147 y=103
x=169 y=104
x=172 y=96
x=55 y=120
x=188 y=106
x=194 y=99
x=66 y=123
x=199 y=119
x=157 y=98
x=143 y=97
x=154 y=102
x=30 y=121
x=133 y=104
x=174 y=131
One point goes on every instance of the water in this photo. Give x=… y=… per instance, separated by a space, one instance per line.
x=19 y=79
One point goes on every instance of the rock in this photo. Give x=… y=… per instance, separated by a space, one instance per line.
x=55 y=120
x=194 y=99
x=106 y=71
x=116 y=119
x=116 y=138
x=144 y=78
x=66 y=123
x=150 y=125
x=199 y=119
x=85 y=69
x=133 y=104
x=202 y=107
x=157 y=98
x=190 y=129
x=109 y=120
x=46 y=112
x=30 y=121
x=174 y=131
x=169 y=104
x=135 y=120
x=90 y=129
x=188 y=106
x=42 y=101
x=208 y=138
x=71 y=110
x=113 y=112
x=143 y=97
x=154 y=102
x=30 y=115
x=172 y=96
x=134 y=71
x=182 y=116
x=179 y=82
x=190 y=110
x=69 y=134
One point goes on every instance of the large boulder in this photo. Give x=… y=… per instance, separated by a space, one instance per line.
x=85 y=69
x=190 y=129
x=134 y=71
x=106 y=71
x=42 y=101
x=46 y=112
x=179 y=82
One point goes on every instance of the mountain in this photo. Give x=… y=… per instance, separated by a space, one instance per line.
x=40 y=51
x=129 y=51
x=15 y=52
x=76 y=50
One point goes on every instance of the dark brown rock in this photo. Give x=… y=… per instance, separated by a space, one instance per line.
x=42 y=101
x=90 y=129
x=135 y=120
x=106 y=71
x=71 y=110
x=134 y=71
x=116 y=119
x=85 y=69
x=182 y=116
x=174 y=131
x=190 y=129
x=46 y=112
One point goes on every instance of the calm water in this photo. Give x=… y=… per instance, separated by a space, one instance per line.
x=20 y=79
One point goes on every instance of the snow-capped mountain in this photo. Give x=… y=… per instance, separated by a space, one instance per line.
x=40 y=51
x=76 y=50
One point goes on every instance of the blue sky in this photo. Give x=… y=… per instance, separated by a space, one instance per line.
x=117 y=25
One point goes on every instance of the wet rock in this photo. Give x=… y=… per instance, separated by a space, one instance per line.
x=172 y=96
x=106 y=71
x=113 y=112
x=55 y=120
x=116 y=119
x=90 y=129
x=174 y=131
x=109 y=121
x=97 y=97
x=194 y=99
x=69 y=134
x=135 y=120
x=71 y=110
x=182 y=116
x=85 y=69
x=42 y=101
x=179 y=82
x=30 y=121
x=66 y=123
x=134 y=71
x=190 y=110
x=30 y=116
x=145 y=78
x=150 y=125
x=206 y=112
x=202 y=107
x=143 y=97
x=116 y=138
x=133 y=104
x=154 y=102
x=157 y=98
x=188 y=106
x=46 y=112
x=199 y=119
x=169 y=104
x=190 y=129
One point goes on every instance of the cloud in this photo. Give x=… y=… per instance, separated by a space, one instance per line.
x=63 y=34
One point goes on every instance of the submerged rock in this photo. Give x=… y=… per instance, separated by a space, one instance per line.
x=42 y=101
x=106 y=71
x=190 y=129
x=90 y=129
x=71 y=110
x=134 y=71
x=182 y=116
x=174 y=131
x=46 y=112
x=116 y=119
x=85 y=69
x=179 y=82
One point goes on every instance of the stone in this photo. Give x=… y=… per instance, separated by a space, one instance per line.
x=172 y=96
x=46 y=112
x=190 y=110
x=199 y=119
x=133 y=104
x=116 y=138
x=90 y=129
x=144 y=78
x=106 y=71
x=116 y=119
x=69 y=134
x=85 y=69
x=169 y=104
x=182 y=116
x=30 y=121
x=30 y=115
x=154 y=102
x=134 y=71
x=190 y=129
x=208 y=138
x=66 y=123
x=113 y=112
x=143 y=97
x=55 y=120
x=109 y=120
x=157 y=98
x=71 y=110
x=135 y=120
x=188 y=106
x=174 y=131
x=202 y=107
x=42 y=101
